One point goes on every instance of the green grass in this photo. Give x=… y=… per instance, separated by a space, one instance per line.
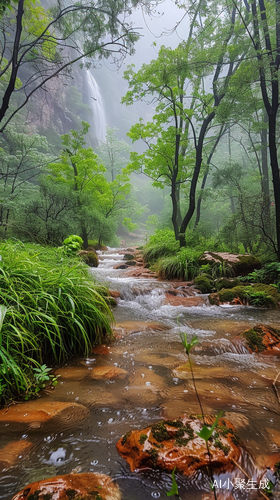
x=50 y=311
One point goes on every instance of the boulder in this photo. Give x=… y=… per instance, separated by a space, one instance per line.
x=86 y=486
x=174 y=443
x=238 y=264
x=101 y=349
x=128 y=256
x=258 y=295
x=34 y=414
x=120 y=266
x=89 y=257
x=261 y=338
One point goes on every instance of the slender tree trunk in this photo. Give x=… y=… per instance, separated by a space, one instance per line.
x=265 y=177
x=174 y=195
x=275 y=174
x=194 y=181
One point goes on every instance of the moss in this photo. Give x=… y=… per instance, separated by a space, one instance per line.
x=125 y=437
x=35 y=495
x=221 y=446
x=143 y=438
x=203 y=283
x=128 y=256
x=159 y=431
x=154 y=455
x=174 y=423
x=226 y=283
x=256 y=295
x=46 y=496
x=71 y=493
x=254 y=338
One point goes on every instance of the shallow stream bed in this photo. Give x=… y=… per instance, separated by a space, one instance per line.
x=234 y=381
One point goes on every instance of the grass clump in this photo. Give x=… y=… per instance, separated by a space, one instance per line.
x=50 y=311
x=161 y=244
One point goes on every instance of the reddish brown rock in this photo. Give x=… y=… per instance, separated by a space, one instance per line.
x=108 y=372
x=101 y=349
x=115 y=293
x=260 y=338
x=170 y=444
x=86 y=486
x=140 y=272
x=177 y=300
x=36 y=413
x=238 y=263
x=10 y=454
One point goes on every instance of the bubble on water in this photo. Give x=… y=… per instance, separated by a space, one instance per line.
x=148 y=383
x=110 y=420
x=94 y=462
x=155 y=494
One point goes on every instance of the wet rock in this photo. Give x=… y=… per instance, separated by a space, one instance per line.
x=140 y=272
x=128 y=327
x=36 y=413
x=86 y=486
x=108 y=373
x=176 y=300
x=258 y=295
x=89 y=257
x=115 y=294
x=168 y=444
x=128 y=256
x=240 y=264
x=101 y=349
x=10 y=454
x=131 y=263
x=72 y=372
x=261 y=338
x=121 y=266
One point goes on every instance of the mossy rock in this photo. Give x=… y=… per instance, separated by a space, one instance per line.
x=230 y=264
x=261 y=337
x=90 y=258
x=204 y=283
x=227 y=283
x=128 y=256
x=258 y=295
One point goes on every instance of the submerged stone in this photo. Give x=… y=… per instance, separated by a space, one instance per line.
x=36 y=413
x=108 y=372
x=174 y=443
x=14 y=451
x=86 y=486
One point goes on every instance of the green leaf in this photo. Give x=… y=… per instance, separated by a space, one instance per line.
x=205 y=432
x=174 y=487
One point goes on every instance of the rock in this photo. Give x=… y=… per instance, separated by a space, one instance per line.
x=262 y=338
x=12 y=452
x=258 y=295
x=168 y=444
x=72 y=372
x=238 y=263
x=131 y=263
x=101 y=349
x=34 y=414
x=121 y=266
x=115 y=294
x=175 y=300
x=108 y=372
x=128 y=256
x=86 y=486
x=204 y=283
x=89 y=257
x=128 y=327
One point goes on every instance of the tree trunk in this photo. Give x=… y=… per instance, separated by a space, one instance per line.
x=275 y=174
x=265 y=176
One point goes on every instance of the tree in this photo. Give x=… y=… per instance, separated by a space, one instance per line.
x=113 y=153
x=38 y=44
x=261 y=20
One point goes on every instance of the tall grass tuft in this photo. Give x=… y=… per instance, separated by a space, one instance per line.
x=50 y=310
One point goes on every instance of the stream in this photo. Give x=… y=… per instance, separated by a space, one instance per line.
x=227 y=379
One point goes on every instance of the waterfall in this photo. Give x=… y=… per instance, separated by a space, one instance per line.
x=97 y=106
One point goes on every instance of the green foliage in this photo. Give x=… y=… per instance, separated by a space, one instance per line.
x=204 y=283
x=205 y=432
x=188 y=345
x=51 y=310
x=161 y=244
x=269 y=274
x=258 y=295
x=73 y=244
x=174 y=487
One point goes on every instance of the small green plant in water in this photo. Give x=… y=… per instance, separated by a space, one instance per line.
x=174 y=487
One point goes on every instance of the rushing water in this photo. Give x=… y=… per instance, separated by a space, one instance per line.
x=227 y=378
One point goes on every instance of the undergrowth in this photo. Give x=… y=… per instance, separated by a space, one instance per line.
x=50 y=311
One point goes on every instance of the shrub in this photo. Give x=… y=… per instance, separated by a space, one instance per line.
x=72 y=244
x=161 y=244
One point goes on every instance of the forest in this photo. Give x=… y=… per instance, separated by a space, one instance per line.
x=162 y=148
